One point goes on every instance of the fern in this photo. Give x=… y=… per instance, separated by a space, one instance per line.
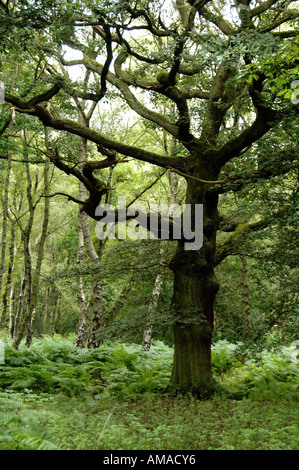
x=14 y=440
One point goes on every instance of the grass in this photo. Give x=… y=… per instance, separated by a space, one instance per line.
x=54 y=396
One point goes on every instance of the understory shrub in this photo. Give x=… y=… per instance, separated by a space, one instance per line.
x=270 y=376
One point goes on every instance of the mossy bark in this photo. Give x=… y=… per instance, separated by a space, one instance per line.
x=195 y=289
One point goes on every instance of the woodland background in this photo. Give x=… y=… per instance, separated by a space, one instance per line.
x=87 y=325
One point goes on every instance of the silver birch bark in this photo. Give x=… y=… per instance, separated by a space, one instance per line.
x=82 y=324
x=7 y=294
x=4 y=227
x=95 y=303
x=19 y=312
x=151 y=312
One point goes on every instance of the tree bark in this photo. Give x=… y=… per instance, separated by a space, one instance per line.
x=12 y=309
x=19 y=311
x=147 y=334
x=97 y=303
x=4 y=228
x=81 y=336
x=82 y=325
x=195 y=289
x=6 y=299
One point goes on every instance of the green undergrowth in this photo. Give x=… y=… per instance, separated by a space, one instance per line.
x=55 y=396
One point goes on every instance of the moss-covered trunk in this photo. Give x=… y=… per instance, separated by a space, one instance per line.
x=195 y=289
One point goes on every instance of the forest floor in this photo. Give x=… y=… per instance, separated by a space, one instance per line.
x=53 y=396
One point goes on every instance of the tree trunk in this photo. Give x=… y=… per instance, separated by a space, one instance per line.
x=25 y=292
x=97 y=304
x=11 y=309
x=7 y=291
x=19 y=310
x=82 y=325
x=82 y=329
x=147 y=334
x=4 y=227
x=195 y=289
x=245 y=295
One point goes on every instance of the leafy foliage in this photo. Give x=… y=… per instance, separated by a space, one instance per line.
x=54 y=366
x=131 y=412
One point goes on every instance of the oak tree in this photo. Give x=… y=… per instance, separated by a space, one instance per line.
x=204 y=59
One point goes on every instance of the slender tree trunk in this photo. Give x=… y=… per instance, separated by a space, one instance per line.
x=82 y=325
x=97 y=303
x=25 y=293
x=82 y=329
x=245 y=295
x=6 y=299
x=11 y=310
x=19 y=309
x=147 y=334
x=4 y=228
